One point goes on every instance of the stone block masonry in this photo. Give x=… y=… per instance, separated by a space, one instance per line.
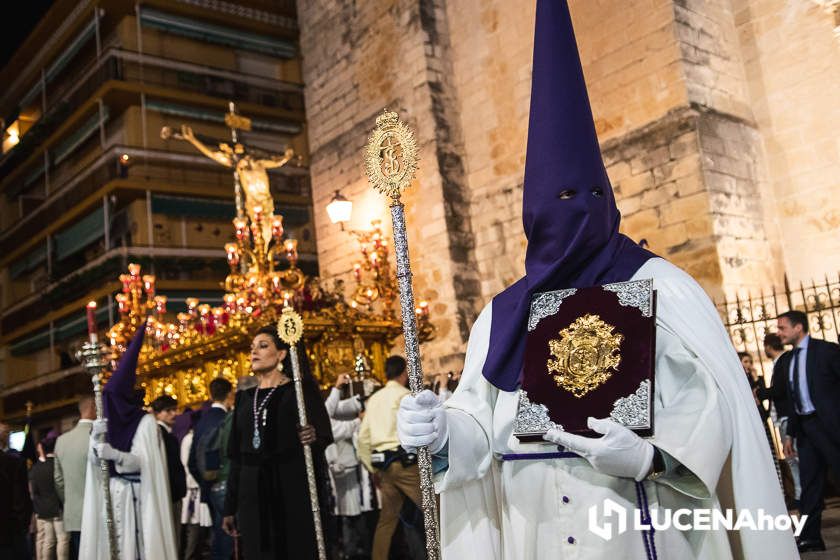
x=717 y=121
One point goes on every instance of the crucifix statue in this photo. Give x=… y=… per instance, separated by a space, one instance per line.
x=250 y=168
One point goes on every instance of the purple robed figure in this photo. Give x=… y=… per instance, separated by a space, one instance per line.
x=123 y=403
x=139 y=486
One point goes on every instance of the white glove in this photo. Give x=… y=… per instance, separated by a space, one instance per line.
x=620 y=452
x=421 y=422
x=125 y=462
x=98 y=429
x=105 y=451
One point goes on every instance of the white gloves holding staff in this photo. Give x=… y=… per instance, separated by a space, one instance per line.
x=421 y=421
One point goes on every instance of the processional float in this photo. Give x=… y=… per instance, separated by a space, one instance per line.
x=180 y=357
x=345 y=321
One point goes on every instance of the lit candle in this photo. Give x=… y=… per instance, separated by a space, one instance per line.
x=122 y=302
x=277 y=227
x=160 y=305
x=91 y=320
x=134 y=270
x=241 y=227
x=149 y=284
x=232 y=254
x=291 y=249
x=192 y=303
x=423 y=310
x=357 y=271
x=258 y=210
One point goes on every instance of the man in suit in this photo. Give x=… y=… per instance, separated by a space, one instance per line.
x=165 y=408
x=71 y=451
x=812 y=372
x=213 y=492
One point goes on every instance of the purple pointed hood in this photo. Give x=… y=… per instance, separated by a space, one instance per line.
x=569 y=212
x=123 y=403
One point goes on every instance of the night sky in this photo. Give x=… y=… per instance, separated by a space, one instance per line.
x=19 y=25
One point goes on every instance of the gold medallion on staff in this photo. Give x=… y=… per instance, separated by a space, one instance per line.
x=391 y=155
x=290 y=326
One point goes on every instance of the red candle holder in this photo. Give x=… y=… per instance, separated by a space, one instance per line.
x=90 y=308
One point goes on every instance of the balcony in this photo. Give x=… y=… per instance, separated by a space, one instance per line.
x=280 y=101
x=104 y=173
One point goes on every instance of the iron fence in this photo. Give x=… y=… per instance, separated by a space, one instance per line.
x=750 y=318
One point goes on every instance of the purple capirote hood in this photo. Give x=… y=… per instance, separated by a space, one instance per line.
x=123 y=403
x=569 y=212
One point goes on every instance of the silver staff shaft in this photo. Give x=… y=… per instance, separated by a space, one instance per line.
x=307 y=455
x=415 y=376
x=96 y=367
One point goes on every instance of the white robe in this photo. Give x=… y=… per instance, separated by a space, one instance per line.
x=142 y=511
x=351 y=482
x=200 y=514
x=705 y=418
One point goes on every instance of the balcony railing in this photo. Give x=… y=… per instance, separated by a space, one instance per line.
x=121 y=65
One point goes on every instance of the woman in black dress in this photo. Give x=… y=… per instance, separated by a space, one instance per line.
x=267 y=502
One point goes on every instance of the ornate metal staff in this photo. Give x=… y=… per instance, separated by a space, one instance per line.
x=290 y=329
x=391 y=162
x=92 y=357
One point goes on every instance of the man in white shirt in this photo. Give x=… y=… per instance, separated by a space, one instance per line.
x=380 y=452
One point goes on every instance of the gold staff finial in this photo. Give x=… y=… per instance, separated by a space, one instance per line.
x=391 y=155
x=290 y=326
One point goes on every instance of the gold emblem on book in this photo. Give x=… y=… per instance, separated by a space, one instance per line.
x=585 y=354
x=391 y=155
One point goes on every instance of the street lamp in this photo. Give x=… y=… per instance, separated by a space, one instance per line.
x=339 y=209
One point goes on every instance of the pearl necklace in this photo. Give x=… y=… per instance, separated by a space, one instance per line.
x=257 y=441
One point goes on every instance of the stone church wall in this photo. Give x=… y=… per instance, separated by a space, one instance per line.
x=716 y=120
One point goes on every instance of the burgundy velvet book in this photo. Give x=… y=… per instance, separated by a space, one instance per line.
x=589 y=352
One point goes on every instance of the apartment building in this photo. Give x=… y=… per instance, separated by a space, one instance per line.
x=88 y=183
